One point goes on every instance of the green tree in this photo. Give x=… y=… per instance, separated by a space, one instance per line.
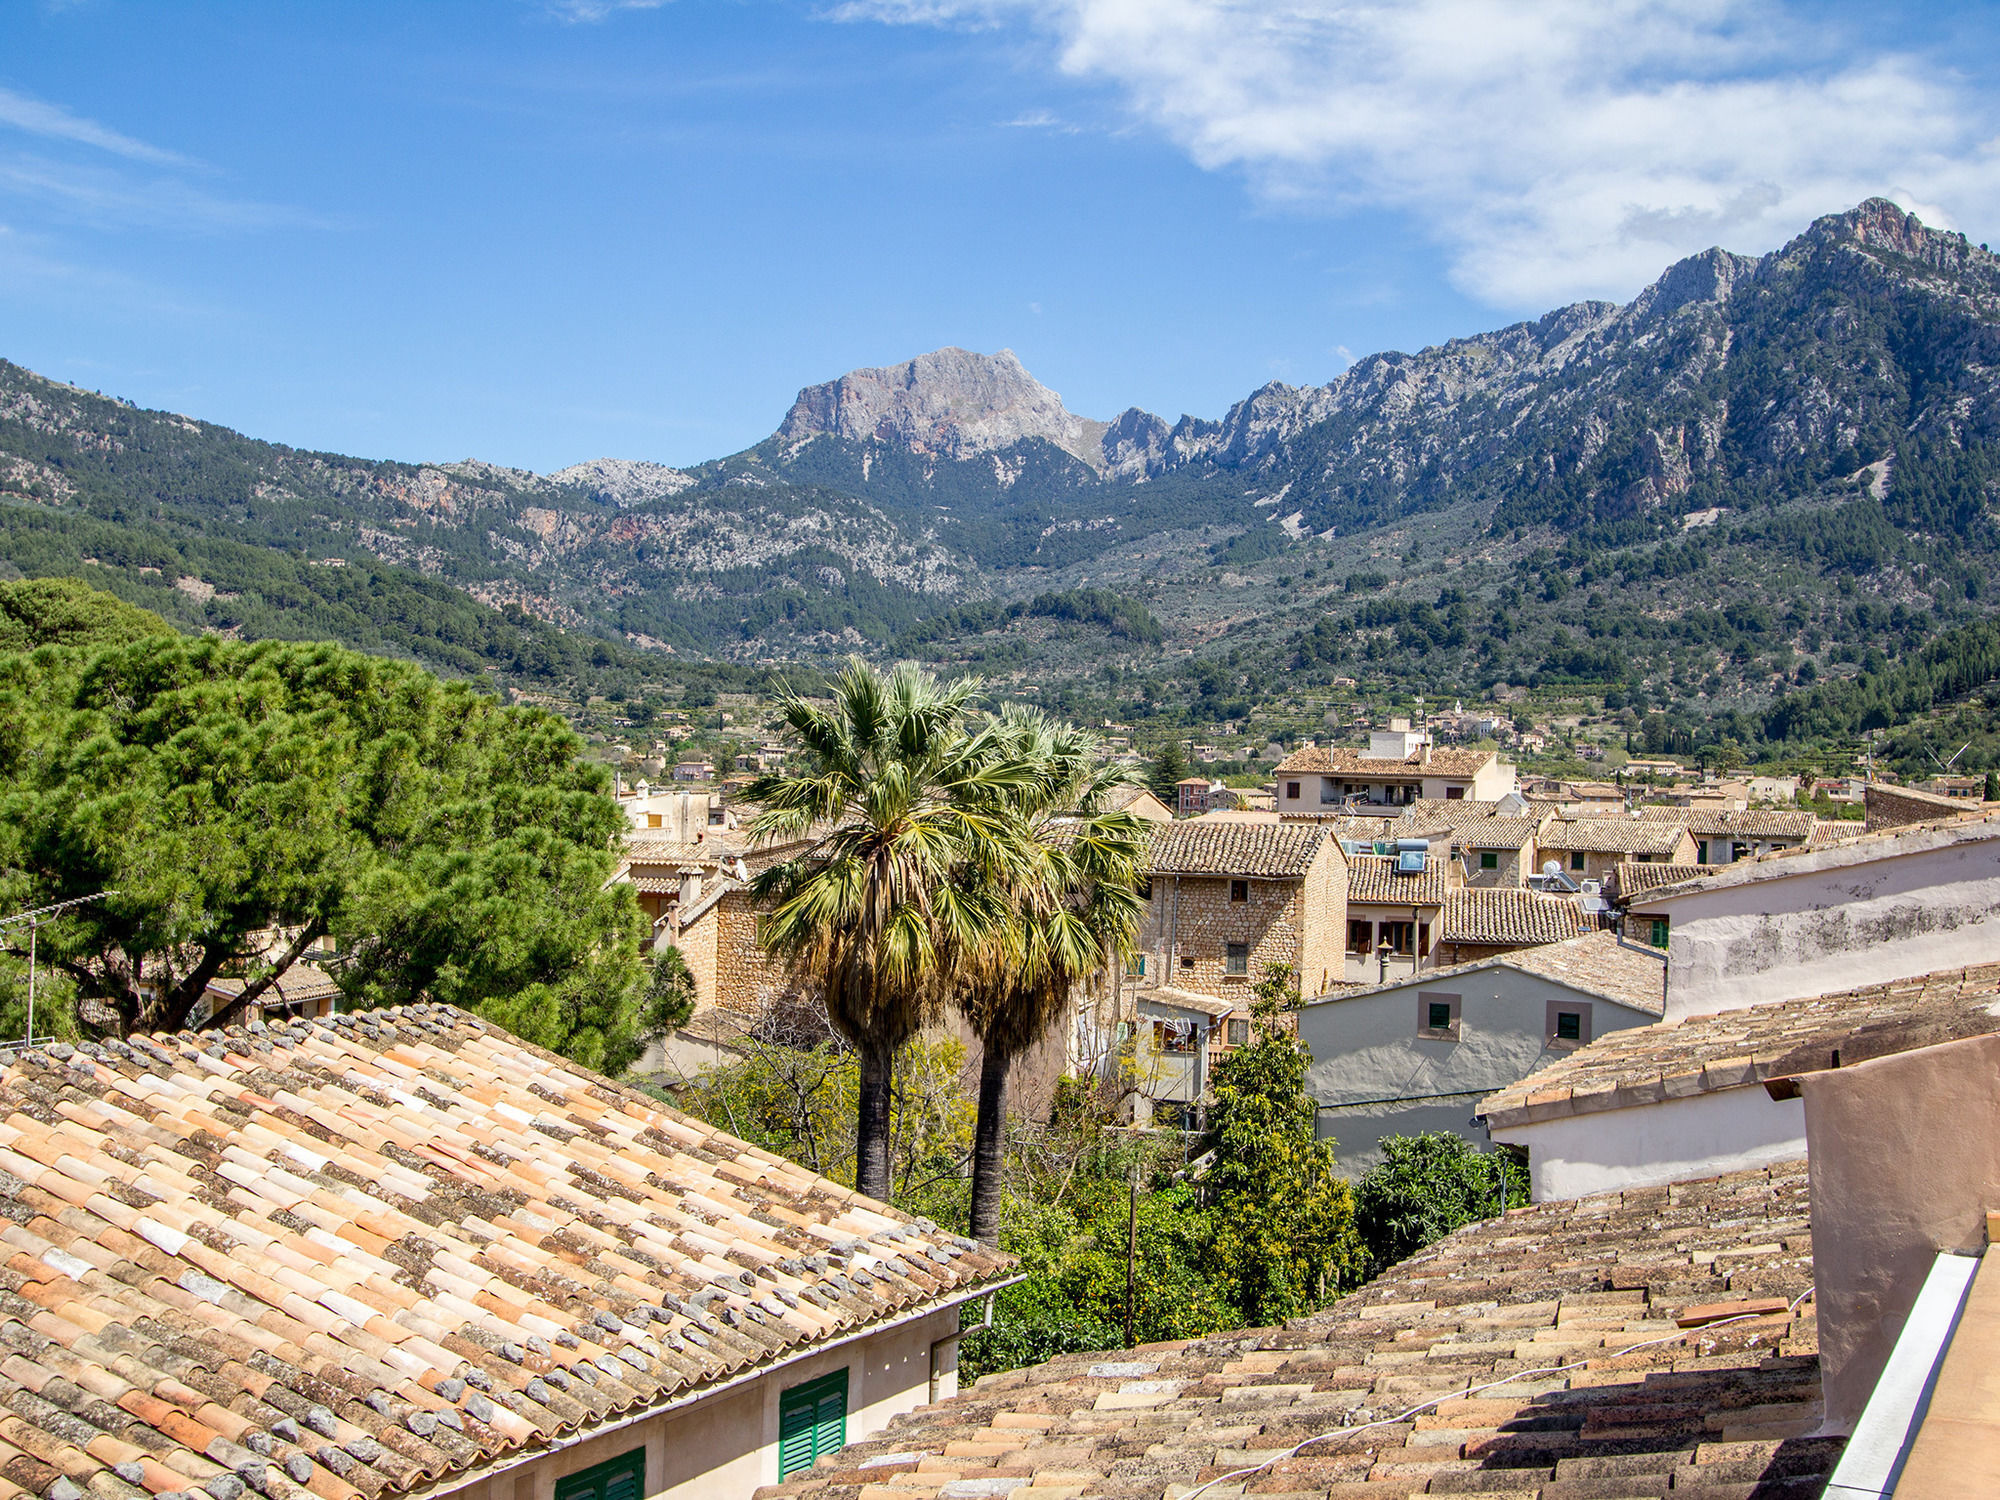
x=897 y=794
x=1071 y=902
x=65 y=612
x=1992 y=793
x=1169 y=769
x=1283 y=1236
x=669 y=997
x=246 y=800
x=1425 y=1187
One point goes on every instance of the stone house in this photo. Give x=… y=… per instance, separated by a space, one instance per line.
x=1228 y=900
x=1723 y=836
x=1592 y=848
x=1393 y=901
x=402 y=1253
x=1496 y=851
x=1225 y=902
x=1419 y=1053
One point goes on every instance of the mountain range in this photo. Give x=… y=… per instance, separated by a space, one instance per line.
x=1834 y=405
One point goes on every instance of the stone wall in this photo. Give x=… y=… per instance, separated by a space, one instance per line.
x=1191 y=921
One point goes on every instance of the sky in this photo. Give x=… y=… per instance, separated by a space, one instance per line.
x=544 y=231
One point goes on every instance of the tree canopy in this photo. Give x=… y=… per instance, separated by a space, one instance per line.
x=245 y=801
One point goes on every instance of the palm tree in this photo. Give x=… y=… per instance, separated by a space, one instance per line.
x=905 y=803
x=1072 y=904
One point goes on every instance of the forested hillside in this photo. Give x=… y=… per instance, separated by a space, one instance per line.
x=1760 y=479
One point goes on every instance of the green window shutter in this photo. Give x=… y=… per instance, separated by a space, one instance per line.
x=812 y=1422
x=620 y=1478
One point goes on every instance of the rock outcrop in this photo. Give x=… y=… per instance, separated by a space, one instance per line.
x=950 y=403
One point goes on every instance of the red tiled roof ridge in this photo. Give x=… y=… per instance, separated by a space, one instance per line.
x=1510 y=914
x=450 y=1241
x=1266 y=850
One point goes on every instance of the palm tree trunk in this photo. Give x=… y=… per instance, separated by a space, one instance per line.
x=989 y=1136
x=871 y=1133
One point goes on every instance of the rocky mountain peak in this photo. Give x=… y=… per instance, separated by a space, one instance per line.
x=950 y=403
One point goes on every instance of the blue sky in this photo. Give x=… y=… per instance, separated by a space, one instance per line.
x=541 y=231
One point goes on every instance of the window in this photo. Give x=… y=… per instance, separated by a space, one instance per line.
x=1239 y=1033
x=654 y=820
x=1400 y=936
x=1701 y=851
x=1489 y=859
x=1146 y=889
x=1187 y=961
x=1239 y=890
x=1568 y=1023
x=812 y=1421
x=1576 y=859
x=1180 y=1035
x=1236 y=959
x=1360 y=937
x=1454 y=794
x=621 y=1478
x=1291 y=791
x=1437 y=1016
x=1656 y=931
x=1135 y=966
x=1328 y=793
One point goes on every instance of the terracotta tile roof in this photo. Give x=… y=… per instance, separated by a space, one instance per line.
x=1636 y=879
x=1602 y=963
x=1390 y=1392
x=1700 y=1054
x=1372 y=881
x=1444 y=761
x=1498 y=833
x=1753 y=823
x=1621 y=835
x=1510 y=915
x=1273 y=851
x=301 y=982
x=359 y=1256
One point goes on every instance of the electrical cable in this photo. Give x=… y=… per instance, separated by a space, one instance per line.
x=1466 y=1395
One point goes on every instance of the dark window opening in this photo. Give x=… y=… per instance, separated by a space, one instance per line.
x=1236 y=958
x=1187 y=961
x=1239 y=890
x=1360 y=937
x=1569 y=1026
x=1239 y=1033
x=1291 y=791
x=1576 y=860
x=1657 y=932
x=1489 y=859
x=1440 y=1014
x=1437 y=1016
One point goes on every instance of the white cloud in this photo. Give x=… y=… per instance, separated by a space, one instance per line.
x=598 y=10
x=39 y=117
x=1554 y=148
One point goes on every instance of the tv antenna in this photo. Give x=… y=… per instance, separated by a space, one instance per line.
x=33 y=920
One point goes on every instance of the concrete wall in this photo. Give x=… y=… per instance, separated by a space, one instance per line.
x=723 y=1447
x=1705 y=1135
x=1373 y=1075
x=1905 y=1162
x=1821 y=921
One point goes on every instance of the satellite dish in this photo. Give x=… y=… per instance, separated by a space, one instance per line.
x=1552 y=867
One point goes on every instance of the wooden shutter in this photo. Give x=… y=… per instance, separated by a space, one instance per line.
x=620 y=1478
x=812 y=1422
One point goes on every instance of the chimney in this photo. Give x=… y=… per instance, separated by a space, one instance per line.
x=690 y=885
